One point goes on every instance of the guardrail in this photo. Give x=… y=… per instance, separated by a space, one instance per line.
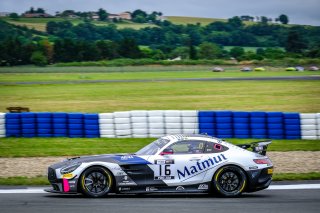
x=156 y=123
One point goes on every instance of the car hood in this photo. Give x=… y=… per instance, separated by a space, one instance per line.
x=120 y=159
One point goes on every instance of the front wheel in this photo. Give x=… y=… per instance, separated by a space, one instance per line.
x=96 y=182
x=229 y=181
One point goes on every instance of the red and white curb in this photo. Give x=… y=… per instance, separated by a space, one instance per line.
x=272 y=187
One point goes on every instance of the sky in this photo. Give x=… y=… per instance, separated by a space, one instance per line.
x=298 y=11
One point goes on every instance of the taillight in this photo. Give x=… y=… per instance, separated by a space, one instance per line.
x=262 y=161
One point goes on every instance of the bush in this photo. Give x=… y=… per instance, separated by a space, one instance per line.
x=38 y=59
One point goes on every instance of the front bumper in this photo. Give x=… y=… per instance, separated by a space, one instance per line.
x=259 y=179
x=68 y=186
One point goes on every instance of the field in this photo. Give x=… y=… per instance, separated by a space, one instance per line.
x=29 y=74
x=108 y=97
x=40 y=23
x=192 y=20
x=195 y=20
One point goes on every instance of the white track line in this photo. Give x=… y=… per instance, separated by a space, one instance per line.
x=272 y=187
x=23 y=191
x=296 y=186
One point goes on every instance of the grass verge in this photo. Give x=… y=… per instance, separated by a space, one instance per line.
x=44 y=147
x=42 y=180
x=131 y=75
x=296 y=176
x=287 y=96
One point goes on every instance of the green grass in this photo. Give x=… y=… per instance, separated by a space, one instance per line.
x=26 y=181
x=192 y=20
x=296 y=176
x=29 y=74
x=42 y=180
x=296 y=96
x=40 y=23
x=44 y=147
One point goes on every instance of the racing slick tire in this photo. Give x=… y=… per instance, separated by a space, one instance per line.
x=229 y=181
x=96 y=182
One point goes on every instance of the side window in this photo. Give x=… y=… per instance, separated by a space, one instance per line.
x=211 y=147
x=188 y=147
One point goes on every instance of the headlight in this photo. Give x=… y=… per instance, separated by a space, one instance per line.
x=70 y=168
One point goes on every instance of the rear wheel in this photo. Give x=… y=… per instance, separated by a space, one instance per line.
x=96 y=182
x=229 y=181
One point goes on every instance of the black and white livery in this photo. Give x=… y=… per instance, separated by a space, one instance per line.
x=174 y=163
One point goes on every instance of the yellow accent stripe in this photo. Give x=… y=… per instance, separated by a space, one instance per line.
x=244 y=183
x=217 y=174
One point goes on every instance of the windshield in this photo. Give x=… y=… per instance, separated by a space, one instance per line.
x=153 y=147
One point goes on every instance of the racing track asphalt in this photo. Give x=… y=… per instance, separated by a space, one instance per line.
x=280 y=78
x=284 y=201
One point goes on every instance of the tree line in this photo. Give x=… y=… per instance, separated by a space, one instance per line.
x=65 y=42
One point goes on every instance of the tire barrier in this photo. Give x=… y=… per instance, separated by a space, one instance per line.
x=157 y=123
x=2 y=125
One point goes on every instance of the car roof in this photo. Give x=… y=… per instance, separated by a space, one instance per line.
x=180 y=137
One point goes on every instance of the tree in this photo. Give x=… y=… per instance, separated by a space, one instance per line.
x=107 y=49
x=31 y=10
x=14 y=16
x=139 y=13
x=182 y=52
x=283 y=19
x=236 y=52
x=38 y=59
x=103 y=15
x=40 y=10
x=139 y=19
x=264 y=20
x=128 y=48
x=192 y=52
x=47 y=49
x=235 y=22
x=209 y=51
x=295 y=43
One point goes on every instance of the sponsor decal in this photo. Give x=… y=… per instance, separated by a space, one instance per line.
x=180 y=188
x=125 y=181
x=69 y=175
x=162 y=161
x=130 y=159
x=201 y=166
x=126 y=157
x=121 y=173
x=203 y=186
x=270 y=171
x=150 y=189
x=124 y=188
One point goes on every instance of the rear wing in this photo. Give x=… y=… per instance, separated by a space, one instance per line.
x=259 y=147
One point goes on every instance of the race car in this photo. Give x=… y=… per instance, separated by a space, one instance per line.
x=174 y=163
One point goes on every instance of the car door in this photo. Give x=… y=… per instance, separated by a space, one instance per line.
x=180 y=163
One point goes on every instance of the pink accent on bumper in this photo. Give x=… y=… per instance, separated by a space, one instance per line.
x=65 y=185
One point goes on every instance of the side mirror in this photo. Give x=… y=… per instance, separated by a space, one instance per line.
x=167 y=151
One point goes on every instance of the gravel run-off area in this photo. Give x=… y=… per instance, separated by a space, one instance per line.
x=284 y=162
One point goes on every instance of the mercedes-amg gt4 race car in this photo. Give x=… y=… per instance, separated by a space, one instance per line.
x=175 y=163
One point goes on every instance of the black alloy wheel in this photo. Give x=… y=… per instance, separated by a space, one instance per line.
x=229 y=181
x=96 y=182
